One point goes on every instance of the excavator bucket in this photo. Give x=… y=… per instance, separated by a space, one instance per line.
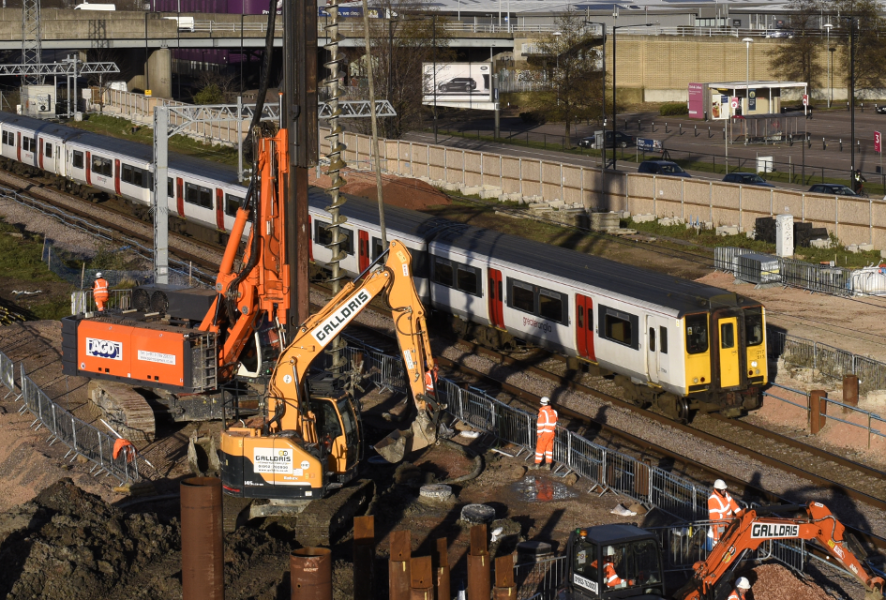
x=398 y=443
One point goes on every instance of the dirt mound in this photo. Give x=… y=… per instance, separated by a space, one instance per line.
x=775 y=582
x=402 y=192
x=67 y=543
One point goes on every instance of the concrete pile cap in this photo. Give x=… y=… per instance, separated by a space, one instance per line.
x=478 y=514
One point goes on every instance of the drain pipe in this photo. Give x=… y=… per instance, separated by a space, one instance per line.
x=203 y=558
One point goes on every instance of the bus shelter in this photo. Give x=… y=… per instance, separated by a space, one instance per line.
x=768 y=129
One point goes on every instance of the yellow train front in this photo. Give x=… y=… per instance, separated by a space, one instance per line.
x=294 y=464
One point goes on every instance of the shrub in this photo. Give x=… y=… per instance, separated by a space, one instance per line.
x=674 y=108
x=535 y=117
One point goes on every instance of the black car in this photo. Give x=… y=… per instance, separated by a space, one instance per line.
x=796 y=108
x=622 y=140
x=747 y=179
x=458 y=84
x=662 y=167
x=882 y=109
x=834 y=189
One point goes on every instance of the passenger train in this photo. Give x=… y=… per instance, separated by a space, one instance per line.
x=676 y=344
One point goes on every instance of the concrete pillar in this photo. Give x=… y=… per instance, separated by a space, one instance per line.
x=818 y=410
x=850 y=391
x=159 y=70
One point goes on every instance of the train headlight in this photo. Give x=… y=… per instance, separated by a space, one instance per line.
x=757 y=371
x=695 y=380
x=754 y=364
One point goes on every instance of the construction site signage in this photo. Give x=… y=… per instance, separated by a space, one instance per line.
x=770 y=531
x=337 y=321
x=460 y=82
x=272 y=461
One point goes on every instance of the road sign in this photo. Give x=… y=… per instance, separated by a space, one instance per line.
x=733 y=102
x=805 y=99
x=878 y=139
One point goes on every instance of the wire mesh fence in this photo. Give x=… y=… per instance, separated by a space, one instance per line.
x=7 y=374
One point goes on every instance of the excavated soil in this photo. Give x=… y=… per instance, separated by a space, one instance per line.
x=775 y=582
x=67 y=543
x=403 y=192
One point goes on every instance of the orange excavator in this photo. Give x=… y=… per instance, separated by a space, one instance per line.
x=631 y=556
x=310 y=442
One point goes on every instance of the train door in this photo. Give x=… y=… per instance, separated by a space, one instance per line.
x=496 y=299
x=656 y=348
x=363 y=250
x=117 y=176
x=219 y=209
x=728 y=352
x=311 y=242
x=88 y=167
x=40 y=153
x=180 y=196
x=584 y=330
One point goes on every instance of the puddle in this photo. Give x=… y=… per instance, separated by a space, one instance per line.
x=541 y=489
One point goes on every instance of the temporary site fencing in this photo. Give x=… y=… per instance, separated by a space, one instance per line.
x=81 y=438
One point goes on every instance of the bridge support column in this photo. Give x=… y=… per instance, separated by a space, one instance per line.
x=159 y=73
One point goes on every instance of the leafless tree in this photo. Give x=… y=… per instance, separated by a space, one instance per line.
x=863 y=18
x=795 y=58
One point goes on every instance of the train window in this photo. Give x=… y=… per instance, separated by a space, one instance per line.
x=443 y=272
x=581 y=317
x=521 y=296
x=469 y=280
x=199 y=195
x=753 y=326
x=652 y=339
x=102 y=166
x=135 y=176
x=551 y=305
x=28 y=144
x=696 y=334
x=662 y=340
x=232 y=204
x=618 y=329
x=377 y=250
x=47 y=150
x=323 y=236
x=77 y=159
x=420 y=266
x=727 y=335
x=4 y=136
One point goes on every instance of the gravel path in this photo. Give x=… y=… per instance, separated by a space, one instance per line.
x=78 y=242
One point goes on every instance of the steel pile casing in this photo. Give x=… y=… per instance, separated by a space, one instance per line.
x=203 y=565
x=311 y=572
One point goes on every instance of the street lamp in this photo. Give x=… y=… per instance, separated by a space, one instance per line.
x=603 y=99
x=828 y=27
x=747 y=73
x=557 y=35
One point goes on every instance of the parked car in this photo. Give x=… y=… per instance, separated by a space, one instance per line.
x=796 y=108
x=833 y=189
x=622 y=140
x=882 y=109
x=779 y=33
x=747 y=179
x=458 y=84
x=662 y=167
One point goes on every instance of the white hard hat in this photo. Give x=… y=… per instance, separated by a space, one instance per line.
x=545 y=400
x=98 y=275
x=608 y=551
x=719 y=485
x=743 y=583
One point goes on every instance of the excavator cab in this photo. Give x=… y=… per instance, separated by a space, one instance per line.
x=612 y=561
x=260 y=354
x=339 y=433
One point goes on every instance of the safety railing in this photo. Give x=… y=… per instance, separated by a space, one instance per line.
x=7 y=374
x=865 y=421
x=84 y=301
x=835 y=281
x=80 y=437
x=540 y=579
x=826 y=360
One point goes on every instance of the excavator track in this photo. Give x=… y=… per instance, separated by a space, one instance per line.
x=127 y=411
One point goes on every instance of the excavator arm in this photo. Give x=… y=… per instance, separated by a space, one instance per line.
x=748 y=531
x=394 y=281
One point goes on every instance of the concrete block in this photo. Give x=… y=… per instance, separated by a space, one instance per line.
x=852 y=248
x=725 y=230
x=751 y=235
x=882 y=253
x=605 y=221
x=678 y=221
x=820 y=243
x=470 y=190
x=707 y=225
x=625 y=214
x=865 y=247
x=666 y=222
x=648 y=218
x=557 y=203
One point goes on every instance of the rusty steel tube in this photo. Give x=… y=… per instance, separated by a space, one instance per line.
x=203 y=553
x=399 y=571
x=311 y=574
x=364 y=552
x=442 y=572
x=505 y=587
x=422 y=579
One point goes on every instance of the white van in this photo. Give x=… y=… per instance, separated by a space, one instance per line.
x=87 y=6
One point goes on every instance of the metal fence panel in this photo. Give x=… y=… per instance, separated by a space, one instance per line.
x=539 y=579
x=7 y=374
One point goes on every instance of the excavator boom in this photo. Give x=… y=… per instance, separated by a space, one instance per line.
x=753 y=527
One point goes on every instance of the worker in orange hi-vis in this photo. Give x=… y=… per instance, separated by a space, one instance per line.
x=721 y=510
x=431 y=380
x=100 y=292
x=546 y=426
x=741 y=589
x=610 y=576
